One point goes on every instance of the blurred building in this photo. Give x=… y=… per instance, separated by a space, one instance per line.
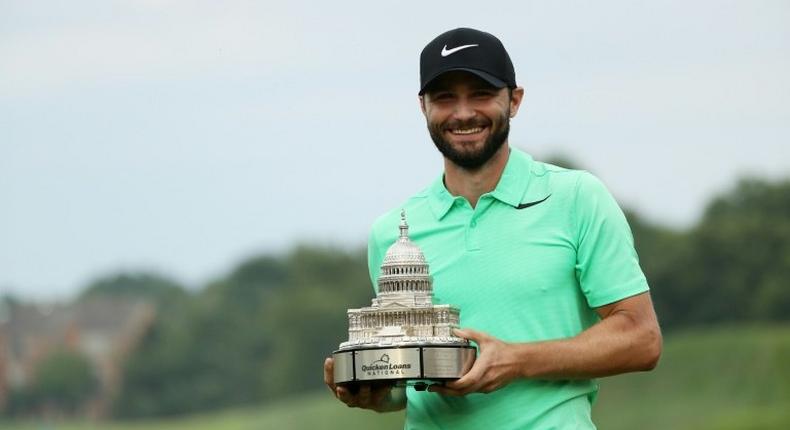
x=103 y=330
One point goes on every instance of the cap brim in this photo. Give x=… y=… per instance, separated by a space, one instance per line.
x=491 y=79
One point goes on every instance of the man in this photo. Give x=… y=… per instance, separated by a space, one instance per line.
x=539 y=259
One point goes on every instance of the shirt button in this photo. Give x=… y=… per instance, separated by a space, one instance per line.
x=474 y=224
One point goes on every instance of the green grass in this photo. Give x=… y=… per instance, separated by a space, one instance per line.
x=723 y=378
x=713 y=379
x=316 y=411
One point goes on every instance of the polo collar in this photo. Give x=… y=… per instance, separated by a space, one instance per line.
x=439 y=198
x=510 y=189
x=512 y=186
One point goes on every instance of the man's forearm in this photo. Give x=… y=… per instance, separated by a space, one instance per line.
x=626 y=339
x=621 y=342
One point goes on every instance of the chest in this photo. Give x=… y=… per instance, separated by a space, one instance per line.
x=503 y=267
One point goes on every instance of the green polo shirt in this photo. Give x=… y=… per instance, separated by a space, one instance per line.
x=531 y=262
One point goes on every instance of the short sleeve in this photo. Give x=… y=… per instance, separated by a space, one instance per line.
x=607 y=266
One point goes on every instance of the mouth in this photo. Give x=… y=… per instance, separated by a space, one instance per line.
x=467 y=135
x=466 y=131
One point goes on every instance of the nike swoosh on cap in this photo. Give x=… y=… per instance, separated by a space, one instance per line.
x=446 y=52
x=528 y=204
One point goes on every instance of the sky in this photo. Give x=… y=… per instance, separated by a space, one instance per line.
x=184 y=136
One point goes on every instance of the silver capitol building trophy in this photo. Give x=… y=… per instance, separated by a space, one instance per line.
x=402 y=336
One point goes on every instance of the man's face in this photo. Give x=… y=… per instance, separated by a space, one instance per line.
x=467 y=118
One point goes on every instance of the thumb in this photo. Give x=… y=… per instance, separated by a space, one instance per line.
x=470 y=334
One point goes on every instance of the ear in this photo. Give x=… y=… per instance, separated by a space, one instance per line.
x=515 y=100
x=422 y=104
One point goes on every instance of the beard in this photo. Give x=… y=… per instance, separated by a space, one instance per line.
x=471 y=160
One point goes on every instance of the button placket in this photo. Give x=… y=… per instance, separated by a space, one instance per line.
x=472 y=232
x=472 y=243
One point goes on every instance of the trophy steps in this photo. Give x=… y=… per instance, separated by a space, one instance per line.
x=412 y=364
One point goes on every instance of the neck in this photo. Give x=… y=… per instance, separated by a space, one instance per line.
x=471 y=184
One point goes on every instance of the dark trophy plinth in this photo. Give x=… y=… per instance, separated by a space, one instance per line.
x=403 y=337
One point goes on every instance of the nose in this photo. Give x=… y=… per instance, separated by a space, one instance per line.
x=464 y=110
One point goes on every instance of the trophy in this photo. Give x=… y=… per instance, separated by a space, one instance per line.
x=403 y=337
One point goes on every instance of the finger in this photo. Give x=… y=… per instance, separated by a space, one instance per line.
x=363 y=397
x=463 y=386
x=470 y=378
x=379 y=394
x=490 y=388
x=329 y=376
x=345 y=396
x=469 y=334
x=444 y=390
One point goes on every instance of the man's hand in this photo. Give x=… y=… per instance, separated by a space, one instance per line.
x=495 y=367
x=376 y=397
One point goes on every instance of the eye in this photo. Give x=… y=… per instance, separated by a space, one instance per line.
x=442 y=95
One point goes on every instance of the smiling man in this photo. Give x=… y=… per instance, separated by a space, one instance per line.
x=539 y=259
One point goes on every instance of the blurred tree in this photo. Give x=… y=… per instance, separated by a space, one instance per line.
x=248 y=336
x=742 y=255
x=147 y=286
x=8 y=303
x=155 y=369
x=663 y=253
x=310 y=317
x=64 y=380
x=734 y=265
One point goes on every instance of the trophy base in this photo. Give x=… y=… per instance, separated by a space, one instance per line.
x=409 y=364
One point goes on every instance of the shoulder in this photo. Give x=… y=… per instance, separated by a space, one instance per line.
x=558 y=176
x=563 y=180
x=572 y=192
x=561 y=183
x=417 y=208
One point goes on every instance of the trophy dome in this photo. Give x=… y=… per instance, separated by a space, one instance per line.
x=403 y=312
x=403 y=251
x=404 y=270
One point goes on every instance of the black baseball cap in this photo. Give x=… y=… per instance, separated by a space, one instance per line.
x=469 y=50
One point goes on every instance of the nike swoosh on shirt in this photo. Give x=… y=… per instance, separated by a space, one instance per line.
x=446 y=52
x=528 y=204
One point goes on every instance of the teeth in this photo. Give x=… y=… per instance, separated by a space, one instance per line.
x=467 y=130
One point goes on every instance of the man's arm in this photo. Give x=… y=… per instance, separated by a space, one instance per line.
x=626 y=339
